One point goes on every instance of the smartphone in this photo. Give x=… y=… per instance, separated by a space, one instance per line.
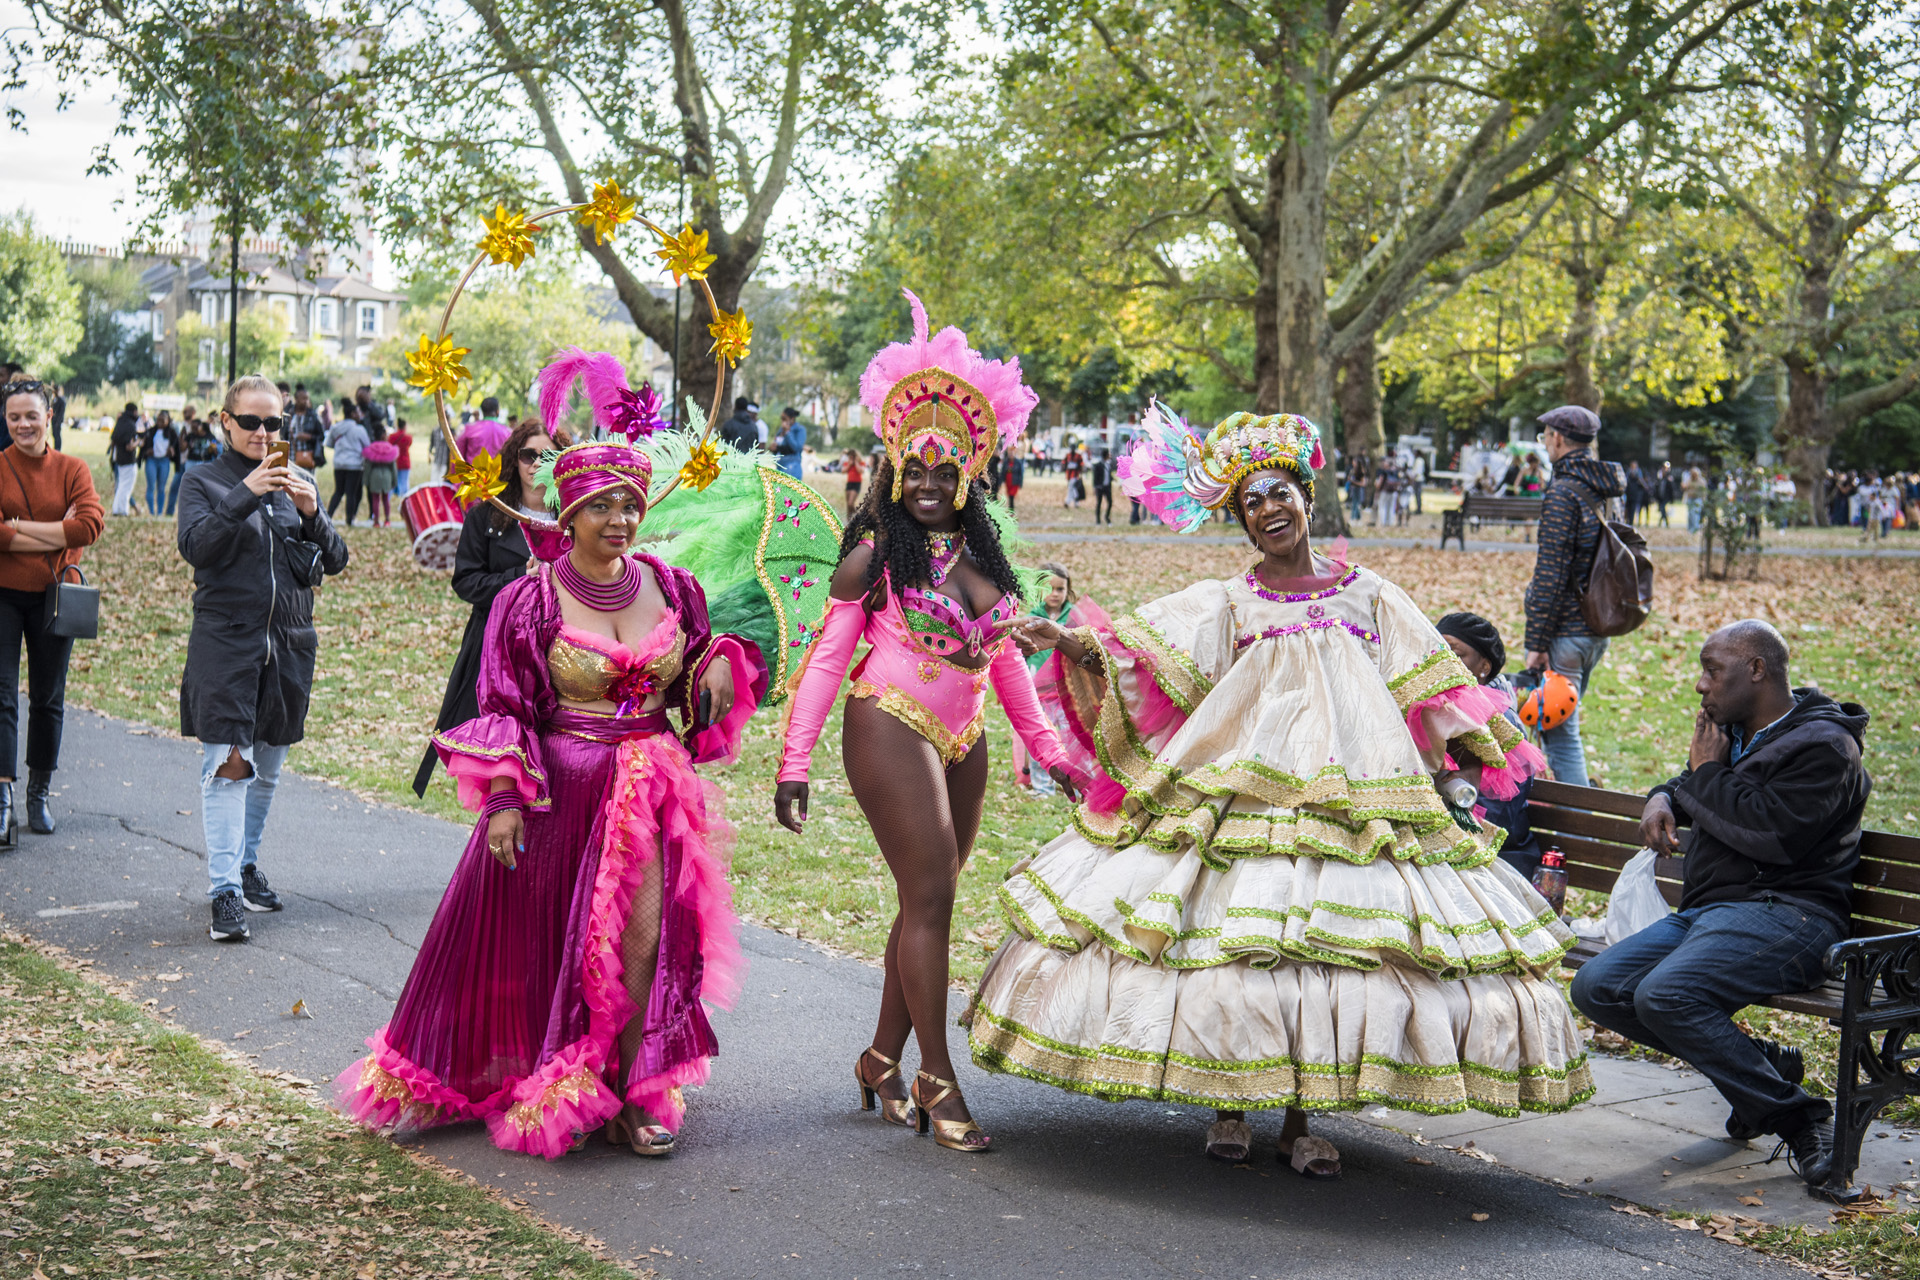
x=704 y=716
x=278 y=452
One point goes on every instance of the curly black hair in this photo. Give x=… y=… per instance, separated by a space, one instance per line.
x=900 y=541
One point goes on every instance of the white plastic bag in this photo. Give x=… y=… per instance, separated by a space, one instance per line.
x=1636 y=901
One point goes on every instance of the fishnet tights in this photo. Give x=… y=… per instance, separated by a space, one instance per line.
x=925 y=817
x=640 y=956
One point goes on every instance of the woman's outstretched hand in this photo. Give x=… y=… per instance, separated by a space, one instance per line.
x=790 y=805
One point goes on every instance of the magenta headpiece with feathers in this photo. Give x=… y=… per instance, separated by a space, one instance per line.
x=939 y=400
x=616 y=405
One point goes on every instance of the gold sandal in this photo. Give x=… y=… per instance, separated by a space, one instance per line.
x=643 y=1139
x=952 y=1134
x=893 y=1110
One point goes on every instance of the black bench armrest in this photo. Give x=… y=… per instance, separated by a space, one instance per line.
x=1892 y=956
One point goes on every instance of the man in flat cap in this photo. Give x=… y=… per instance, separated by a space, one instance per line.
x=1583 y=488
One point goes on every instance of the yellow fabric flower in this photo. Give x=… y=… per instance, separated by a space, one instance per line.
x=732 y=334
x=509 y=236
x=703 y=468
x=685 y=254
x=606 y=211
x=436 y=365
x=477 y=478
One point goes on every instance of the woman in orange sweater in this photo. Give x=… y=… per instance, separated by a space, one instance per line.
x=50 y=512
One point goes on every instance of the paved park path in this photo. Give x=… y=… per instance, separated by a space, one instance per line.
x=778 y=1174
x=1053 y=533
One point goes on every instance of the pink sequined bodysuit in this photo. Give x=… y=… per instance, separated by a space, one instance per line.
x=908 y=672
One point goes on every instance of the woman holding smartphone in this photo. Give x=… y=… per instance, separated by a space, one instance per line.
x=252 y=528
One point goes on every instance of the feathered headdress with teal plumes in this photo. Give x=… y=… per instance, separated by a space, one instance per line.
x=1181 y=475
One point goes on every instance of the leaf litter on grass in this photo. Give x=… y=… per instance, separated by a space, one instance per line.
x=133 y=1149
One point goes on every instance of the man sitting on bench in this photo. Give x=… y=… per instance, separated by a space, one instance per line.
x=1773 y=790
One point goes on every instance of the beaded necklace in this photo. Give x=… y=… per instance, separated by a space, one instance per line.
x=943 y=550
x=608 y=597
x=1254 y=585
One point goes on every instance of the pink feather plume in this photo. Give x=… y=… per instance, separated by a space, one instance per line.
x=604 y=377
x=997 y=380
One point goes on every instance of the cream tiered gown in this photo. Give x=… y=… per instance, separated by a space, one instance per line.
x=1280 y=910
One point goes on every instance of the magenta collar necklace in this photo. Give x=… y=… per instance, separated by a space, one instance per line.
x=610 y=597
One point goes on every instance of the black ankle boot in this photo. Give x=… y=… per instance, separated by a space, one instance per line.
x=9 y=831
x=39 y=810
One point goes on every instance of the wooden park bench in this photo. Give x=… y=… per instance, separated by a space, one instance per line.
x=1872 y=992
x=1484 y=508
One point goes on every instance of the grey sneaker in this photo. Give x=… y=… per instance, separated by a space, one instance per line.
x=259 y=897
x=229 y=919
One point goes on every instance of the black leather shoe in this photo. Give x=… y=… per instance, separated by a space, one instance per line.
x=1792 y=1066
x=9 y=820
x=39 y=809
x=1809 y=1151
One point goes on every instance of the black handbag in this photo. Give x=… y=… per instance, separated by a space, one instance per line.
x=73 y=608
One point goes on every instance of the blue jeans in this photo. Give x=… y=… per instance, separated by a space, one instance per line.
x=173 y=490
x=1693 y=515
x=1574 y=657
x=403 y=483
x=1676 y=985
x=233 y=811
x=157 y=469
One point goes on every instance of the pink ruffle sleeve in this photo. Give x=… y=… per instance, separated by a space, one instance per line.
x=721 y=739
x=516 y=698
x=1458 y=712
x=1014 y=683
x=840 y=632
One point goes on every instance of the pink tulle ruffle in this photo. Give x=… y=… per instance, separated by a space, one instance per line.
x=379 y=1105
x=1524 y=762
x=1437 y=720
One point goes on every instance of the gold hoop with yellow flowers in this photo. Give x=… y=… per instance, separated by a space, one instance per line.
x=509 y=240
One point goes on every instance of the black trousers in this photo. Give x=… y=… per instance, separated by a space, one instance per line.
x=346 y=484
x=23 y=620
x=1103 y=498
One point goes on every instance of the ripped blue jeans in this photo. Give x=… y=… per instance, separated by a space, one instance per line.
x=233 y=811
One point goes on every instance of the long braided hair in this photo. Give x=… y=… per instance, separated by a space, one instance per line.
x=900 y=541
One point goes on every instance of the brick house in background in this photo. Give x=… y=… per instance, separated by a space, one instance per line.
x=344 y=315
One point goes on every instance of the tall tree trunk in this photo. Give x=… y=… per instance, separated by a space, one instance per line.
x=1292 y=369
x=1805 y=428
x=1356 y=389
x=1577 y=383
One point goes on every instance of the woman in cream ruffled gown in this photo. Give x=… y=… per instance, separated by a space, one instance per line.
x=1265 y=901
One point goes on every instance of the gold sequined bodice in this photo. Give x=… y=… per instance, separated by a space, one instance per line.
x=584 y=672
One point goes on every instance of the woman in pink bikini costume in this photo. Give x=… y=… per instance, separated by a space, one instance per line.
x=923 y=580
x=559 y=988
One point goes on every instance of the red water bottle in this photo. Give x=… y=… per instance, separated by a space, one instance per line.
x=1550 y=879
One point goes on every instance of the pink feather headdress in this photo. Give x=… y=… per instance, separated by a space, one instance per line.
x=939 y=400
x=616 y=405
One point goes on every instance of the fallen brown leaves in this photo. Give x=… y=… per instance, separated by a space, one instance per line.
x=132 y=1149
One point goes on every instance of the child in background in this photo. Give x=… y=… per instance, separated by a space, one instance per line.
x=1480 y=649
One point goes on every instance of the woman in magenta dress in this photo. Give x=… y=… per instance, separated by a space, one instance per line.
x=560 y=986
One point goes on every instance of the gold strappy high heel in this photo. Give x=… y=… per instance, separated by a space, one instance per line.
x=952 y=1134
x=893 y=1110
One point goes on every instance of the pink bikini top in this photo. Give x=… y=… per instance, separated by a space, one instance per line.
x=939 y=623
x=587 y=667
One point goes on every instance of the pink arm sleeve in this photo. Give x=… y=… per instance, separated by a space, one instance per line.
x=1014 y=683
x=827 y=663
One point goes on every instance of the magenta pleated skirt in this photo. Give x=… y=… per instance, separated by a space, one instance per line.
x=513 y=1011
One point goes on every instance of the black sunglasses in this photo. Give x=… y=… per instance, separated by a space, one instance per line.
x=254 y=422
x=530 y=456
x=24 y=387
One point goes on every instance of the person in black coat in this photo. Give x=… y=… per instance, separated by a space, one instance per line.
x=1774 y=791
x=493 y=552
x=258 y=543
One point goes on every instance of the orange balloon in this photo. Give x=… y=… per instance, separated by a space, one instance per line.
x=1550 y=705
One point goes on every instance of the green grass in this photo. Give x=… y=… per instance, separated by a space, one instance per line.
x=132 y=1150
